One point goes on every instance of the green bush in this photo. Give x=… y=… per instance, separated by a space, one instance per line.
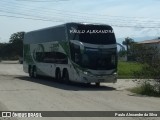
x=146 y=89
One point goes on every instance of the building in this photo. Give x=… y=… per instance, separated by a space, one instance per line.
x=152 y=43
x=149 y=49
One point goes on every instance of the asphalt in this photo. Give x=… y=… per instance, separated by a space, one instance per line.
x=19 y=92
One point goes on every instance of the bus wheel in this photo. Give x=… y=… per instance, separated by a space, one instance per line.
x=97 y=84
x=66 y=76
x=34 y=72
x=58 y=75
x=30 y=71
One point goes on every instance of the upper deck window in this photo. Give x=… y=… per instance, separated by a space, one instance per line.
x=93 y=34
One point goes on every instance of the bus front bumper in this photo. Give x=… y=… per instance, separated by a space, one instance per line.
x=105 y=78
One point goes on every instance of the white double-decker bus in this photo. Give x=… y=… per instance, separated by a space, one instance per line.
x=79 y=52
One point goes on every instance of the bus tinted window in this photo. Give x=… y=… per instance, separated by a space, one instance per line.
x=51 y=57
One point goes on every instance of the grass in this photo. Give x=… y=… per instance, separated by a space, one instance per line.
x=126 y=69
x=146 y=89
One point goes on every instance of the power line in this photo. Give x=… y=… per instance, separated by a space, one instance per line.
x=114 y=25
x=40 y=0
x=36 y=16
x=121 y=22
x=107 y=19
x=80 y=12
x=13 y=16
x=88 y=17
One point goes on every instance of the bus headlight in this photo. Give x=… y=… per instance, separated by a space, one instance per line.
x=85 y=72
x=115 y=73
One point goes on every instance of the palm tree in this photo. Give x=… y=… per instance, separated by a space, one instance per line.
x=127 y=42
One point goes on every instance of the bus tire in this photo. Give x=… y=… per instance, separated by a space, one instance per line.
x=34 y=72
x=58 y=75
x=66 y=76
x=30 y=71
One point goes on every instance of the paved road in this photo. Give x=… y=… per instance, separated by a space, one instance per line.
x=18 y=92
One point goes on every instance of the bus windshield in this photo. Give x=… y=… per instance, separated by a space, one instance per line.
x=99 y=59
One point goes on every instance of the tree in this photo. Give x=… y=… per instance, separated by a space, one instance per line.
x=15 y=37
x=16 y=41
x=127 y=42
x=5 y=50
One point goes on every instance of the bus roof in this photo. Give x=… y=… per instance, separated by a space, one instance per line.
x=70 y=23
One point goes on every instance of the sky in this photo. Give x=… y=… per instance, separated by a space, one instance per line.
x=129 y=18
